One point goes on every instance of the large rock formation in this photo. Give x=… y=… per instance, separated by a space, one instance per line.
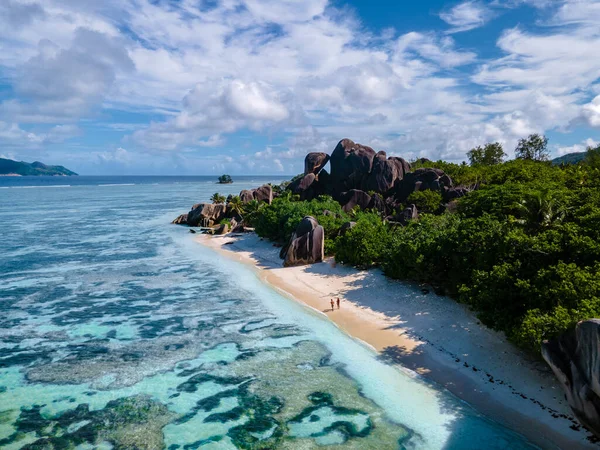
x=354 y=198
x=246 y=196
x=307 y=244
x=206 y=214
x=351 y=164
x=264 y=194
x=386 y=173
x=575 y=360
x=304 y=186
x=422 y=179
x=261 y=194
x=314 y=162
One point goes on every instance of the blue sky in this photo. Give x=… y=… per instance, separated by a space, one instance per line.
x=250 y=86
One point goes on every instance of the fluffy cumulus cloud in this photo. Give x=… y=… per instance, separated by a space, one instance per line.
x=184 y=82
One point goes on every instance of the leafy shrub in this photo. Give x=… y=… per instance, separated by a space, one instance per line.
x=426 y=201
x=279 y=220
x=363 y=245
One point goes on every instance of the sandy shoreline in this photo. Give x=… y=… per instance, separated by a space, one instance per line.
x=431 y=335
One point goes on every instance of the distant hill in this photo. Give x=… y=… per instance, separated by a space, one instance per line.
x=569 y=158
x=10 y=167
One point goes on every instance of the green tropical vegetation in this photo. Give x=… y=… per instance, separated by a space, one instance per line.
x=217 y=198
x=225 y=179
x=522 y=250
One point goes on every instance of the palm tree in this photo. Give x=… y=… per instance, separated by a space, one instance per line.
x=252 y=209
x=236 y=205
x=541 y=210
x=217 y=198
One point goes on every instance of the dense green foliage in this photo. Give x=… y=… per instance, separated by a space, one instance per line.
x=279 y=220
x=225 y=179
x=522 y=250
x=217 y=198
x=363 y=245
x=425 y=201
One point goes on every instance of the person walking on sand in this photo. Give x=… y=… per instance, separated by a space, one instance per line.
x=332 y=304
x=338 y=302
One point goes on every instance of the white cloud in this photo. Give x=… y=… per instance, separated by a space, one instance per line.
x=466 y=16
x=303 y=73
x=576 y=148
x=591 y=112
x=63 y=84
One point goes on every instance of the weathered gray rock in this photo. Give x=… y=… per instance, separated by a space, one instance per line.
x=354 y=198
x=454 y=193
x=386 y=173
x=409 y=213
x=261 y=194
x=575 y=360
x=377 y=203
x=181 y=220
x=264 y=194
x=422 y=179
x=314 y=162
x=306 y=187
x=246 y=196
x=222 y=229
x=345 y=227
x=205 y=214
x=307 y=244
x=351 y=164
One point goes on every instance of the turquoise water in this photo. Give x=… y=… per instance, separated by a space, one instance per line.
x=117 y=331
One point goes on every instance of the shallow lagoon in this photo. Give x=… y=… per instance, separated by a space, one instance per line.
x=118 y=331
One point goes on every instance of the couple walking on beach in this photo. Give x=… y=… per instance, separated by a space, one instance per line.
x=333 y=303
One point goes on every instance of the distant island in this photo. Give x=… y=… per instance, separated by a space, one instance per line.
x=8 y=167
x=570 y=158
x=225 y=179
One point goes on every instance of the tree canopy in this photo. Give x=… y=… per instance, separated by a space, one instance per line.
x=534 y=147
x=488 y=155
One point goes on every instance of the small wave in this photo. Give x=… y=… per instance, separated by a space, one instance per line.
x=117 y=184
x=34 y=187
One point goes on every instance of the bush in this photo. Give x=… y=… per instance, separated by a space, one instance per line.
x=363 y=245
x=426 y=201
x=279 y=220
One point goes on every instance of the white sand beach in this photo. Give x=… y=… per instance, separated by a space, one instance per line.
x=429 y=334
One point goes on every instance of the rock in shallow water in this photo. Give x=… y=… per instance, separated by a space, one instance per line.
x=575 y=360
x=205 y=213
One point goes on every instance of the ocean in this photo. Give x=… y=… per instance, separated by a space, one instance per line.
x=118 y=331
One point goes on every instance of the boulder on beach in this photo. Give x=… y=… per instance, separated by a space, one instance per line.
x=181 y=219
x=222 y=229
x=314 y=162
x=575 y=360
x=206 y=214
x=307 y=244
